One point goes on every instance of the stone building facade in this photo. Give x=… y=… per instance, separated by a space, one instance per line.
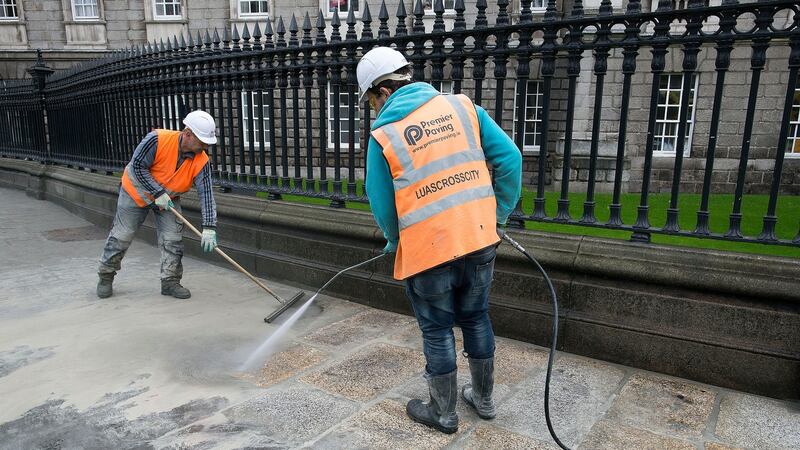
x=69 y=31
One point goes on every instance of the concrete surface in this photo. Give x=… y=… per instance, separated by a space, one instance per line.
x=140 y=370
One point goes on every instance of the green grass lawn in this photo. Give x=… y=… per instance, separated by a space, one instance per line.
x=753 y=207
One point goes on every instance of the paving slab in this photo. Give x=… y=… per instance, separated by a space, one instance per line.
x=492 y=437
x=359 y=328
x=580 y=392
x=385 y=425
x=607 y=435
x=756 y=422
x=287 y=364
x=663 y=405
x=368 y=373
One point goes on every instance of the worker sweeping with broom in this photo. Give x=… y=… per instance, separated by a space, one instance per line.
x=164 y=165
x=432 y=195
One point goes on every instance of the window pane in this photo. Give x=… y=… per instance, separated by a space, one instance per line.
x=245 y=7
x=672 y=113
x=428 y=5
x=9 y=8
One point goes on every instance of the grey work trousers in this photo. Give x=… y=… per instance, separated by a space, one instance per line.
x=128 y=219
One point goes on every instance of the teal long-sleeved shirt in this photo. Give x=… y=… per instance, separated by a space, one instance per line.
x=500 y=151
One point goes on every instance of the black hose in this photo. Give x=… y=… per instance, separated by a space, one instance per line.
x=514 y=243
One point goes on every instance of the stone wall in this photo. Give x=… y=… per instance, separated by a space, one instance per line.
x=722 y=318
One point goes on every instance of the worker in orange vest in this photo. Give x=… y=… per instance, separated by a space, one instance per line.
x=164 y=165
x=431 y=193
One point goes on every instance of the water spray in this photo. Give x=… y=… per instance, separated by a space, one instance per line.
x=265 y=349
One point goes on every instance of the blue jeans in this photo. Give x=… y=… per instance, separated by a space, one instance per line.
x=456 y=293
x=128 y=219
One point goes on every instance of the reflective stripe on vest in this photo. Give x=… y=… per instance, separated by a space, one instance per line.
x=443 y=193
x=175 y=180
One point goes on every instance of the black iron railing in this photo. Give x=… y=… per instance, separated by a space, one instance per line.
x=285 y=101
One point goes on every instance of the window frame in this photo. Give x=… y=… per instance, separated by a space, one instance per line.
x=14 y=4
x=158 y=17
x=447 y=11
x=793 y=137
x=325 y=6
x=246 y=117
x=448 y=91
x=539 y=109
x=167 y=120
x=535 y=9
x=251 y=14
x=344 y=145
x=77 y=18
x=690 y=120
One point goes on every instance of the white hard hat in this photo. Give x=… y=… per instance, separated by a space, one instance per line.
x=376 y=65
x=202 y=125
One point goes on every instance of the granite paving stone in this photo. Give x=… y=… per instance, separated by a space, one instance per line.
x=751 y=421
x=385 y=425
x=486 y=437
x=289 y=363
x=291 y=416
x=580 y=390
x=663 y=405
x=369 y=372
x=359 y=328
x=718 y=446
x=607 y=435
x=408 y=336
x=514 y=360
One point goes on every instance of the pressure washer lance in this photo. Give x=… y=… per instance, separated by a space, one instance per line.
x=516 y=245
x=283 y=308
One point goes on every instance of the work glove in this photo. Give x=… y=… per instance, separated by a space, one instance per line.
x=209 y=241
x=391 y=247
x=164 y=202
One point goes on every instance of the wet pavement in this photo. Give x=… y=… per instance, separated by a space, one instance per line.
x=141 y=370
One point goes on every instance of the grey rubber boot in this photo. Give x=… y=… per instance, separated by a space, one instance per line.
x=174 y=289
x=104 y=286
x=479 y=393
x=440 y=411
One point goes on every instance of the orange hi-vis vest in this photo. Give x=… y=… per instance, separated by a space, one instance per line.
x=176 y=180
x=442 y=187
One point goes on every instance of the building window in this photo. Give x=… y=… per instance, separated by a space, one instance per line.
x=670 y=92
x=532 y=126
x=8 y=9
x=167 y=9
x=174 y=108
x=344 y=6
x=446 y=87
x=344 y=118
x=260 y=118
x=85 y=9
x=253 y=7
x=536 y=5
x=449 y=6
x=793 y=144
